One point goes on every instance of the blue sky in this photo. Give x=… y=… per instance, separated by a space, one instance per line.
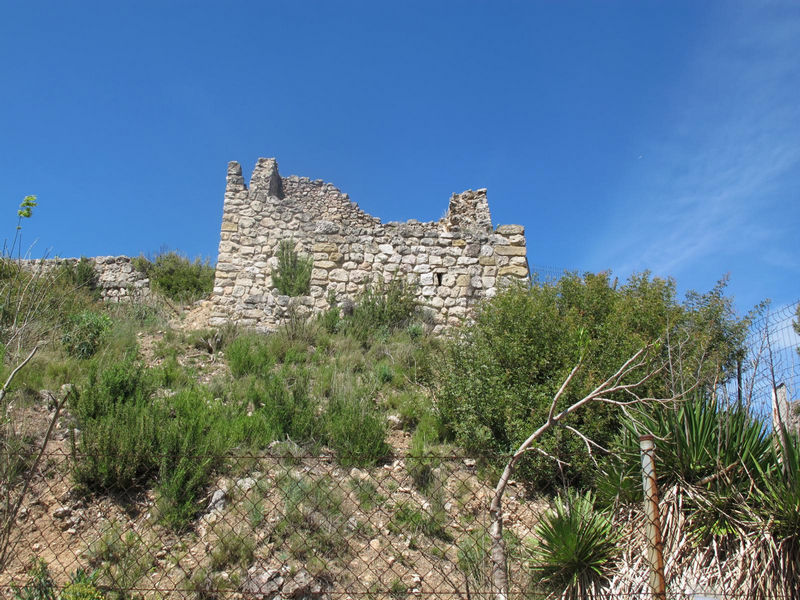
x=624 y=136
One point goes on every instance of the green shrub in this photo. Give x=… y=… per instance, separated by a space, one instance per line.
x=422 y=460
x=121 y=559
x=356 y=430
x=250 y=354
x=576 y=548
x=232 y=549
x=282 y=402
x=40 y=586
x=777 y=497
x=701 y=439
x=82 y=587
x=80 y=275
x=380 y=309
x=413 y=521
x=33 y=303
x=366 y=493
x=292 y=277
x=84 y=332
x=177 y=277
x=498 y=378
x=314 y=521
x=117 y=450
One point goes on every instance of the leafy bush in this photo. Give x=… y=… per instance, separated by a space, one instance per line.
x=232 y=549
x=575 y=549
x=499 y=376
x=411 y=520
x=177 y=277
x=292 y=277
x=84 y=333
x=250 y=354
x=778 y=492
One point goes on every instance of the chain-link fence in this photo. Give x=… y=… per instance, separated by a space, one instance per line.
x=280 y=523
x=285 y=524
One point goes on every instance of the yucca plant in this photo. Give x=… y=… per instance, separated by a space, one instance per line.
x=700 y=444
x=576 y=547
x=779 y=486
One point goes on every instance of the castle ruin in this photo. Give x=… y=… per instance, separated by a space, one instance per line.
x=452 y=263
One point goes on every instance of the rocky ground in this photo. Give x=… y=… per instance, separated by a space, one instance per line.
x=280 y=524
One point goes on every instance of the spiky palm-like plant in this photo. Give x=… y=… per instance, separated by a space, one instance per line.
x=576 y=547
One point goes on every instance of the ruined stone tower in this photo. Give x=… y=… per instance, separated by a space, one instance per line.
x=453 y=262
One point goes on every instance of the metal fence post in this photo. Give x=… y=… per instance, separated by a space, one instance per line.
x=655 y=546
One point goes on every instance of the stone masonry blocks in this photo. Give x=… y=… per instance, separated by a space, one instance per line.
x=455 y=258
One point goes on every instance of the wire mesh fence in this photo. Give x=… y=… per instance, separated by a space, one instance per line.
x=285 y=524
x=277 y=524
x=770 y=370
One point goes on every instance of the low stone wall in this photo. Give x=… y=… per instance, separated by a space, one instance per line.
x=117 y=279
x=453 y=262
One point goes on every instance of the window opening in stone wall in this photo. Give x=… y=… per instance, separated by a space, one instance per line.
x=439 y=278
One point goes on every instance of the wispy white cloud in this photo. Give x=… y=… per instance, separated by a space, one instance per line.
x=723 y=182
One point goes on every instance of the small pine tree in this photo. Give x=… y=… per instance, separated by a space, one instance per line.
x=292 y=277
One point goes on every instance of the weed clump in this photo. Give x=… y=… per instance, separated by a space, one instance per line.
x=177 y=277
x=84 y=332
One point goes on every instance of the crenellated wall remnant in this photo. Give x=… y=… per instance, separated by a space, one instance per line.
x=453 y=262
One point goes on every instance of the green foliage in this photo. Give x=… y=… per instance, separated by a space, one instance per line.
x=250 y=354
x=177 y=277
x=84 y=332
x=34 y=302
x=356 y=430
x=232 y=548
x=422 y=460
x=576 y=547
x=80 y=275
x=398 y=589
x=314 y=521
x=778 y=492
x=121 y=559
x=292 y=277
x=26 y=207
x=366 y=493
x=380 y=309
x=40 y=586
x=130 y=439
x=498 y=378
x=82 y=587
x=701 y=441
x=412 y=520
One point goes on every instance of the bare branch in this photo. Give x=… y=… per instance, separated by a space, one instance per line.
x=612 y=384
x=19 y=367
x=562 y=388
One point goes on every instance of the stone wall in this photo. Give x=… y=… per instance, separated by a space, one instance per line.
x=453 y=262
x=117 y=279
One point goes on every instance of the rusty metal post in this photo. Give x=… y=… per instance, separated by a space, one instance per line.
x=655 y=547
